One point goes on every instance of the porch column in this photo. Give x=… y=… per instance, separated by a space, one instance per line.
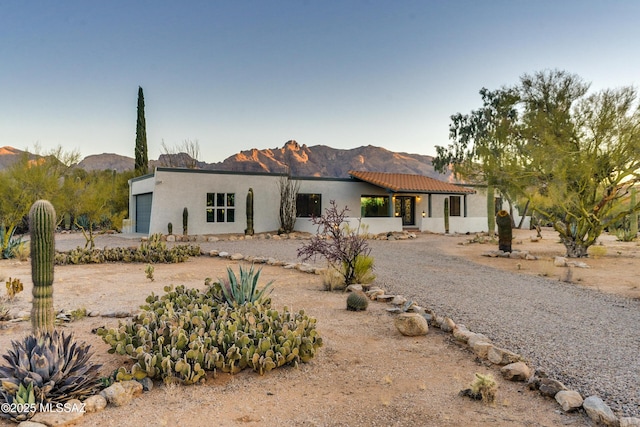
x=429 y=207
x=391 y=206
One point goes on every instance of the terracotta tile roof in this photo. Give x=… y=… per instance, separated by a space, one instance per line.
x=406 y=183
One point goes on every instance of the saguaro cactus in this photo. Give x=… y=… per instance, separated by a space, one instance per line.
x=446 y=215
x=185 y=221
x=42 y=223
x=249 y=229
x=505 y=234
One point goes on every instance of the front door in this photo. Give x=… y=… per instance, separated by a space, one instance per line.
x=404 y=208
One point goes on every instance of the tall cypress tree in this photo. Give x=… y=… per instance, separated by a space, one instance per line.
x=142 y=161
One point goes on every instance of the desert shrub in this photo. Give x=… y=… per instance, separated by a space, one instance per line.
x=338 y=243
x=4 y=311
x=363 y=270
x=626 y=234
x=597 y=251
x=332 y=279
x=181 y=335
x=46 y=368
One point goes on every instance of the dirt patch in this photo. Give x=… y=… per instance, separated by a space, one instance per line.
x=366 y=374
x=612 y=266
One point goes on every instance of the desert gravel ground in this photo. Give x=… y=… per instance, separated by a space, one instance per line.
x=587 y=339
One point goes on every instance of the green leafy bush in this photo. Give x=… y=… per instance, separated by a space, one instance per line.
x=185 y=333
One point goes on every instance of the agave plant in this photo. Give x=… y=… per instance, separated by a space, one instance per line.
x=53 y=364
x=244 y=289
x=21 y=406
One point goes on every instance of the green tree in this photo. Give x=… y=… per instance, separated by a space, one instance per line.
x=572 y=155
x=142 y=161
x=485 y=144
x=32 y=177
x=94 y=200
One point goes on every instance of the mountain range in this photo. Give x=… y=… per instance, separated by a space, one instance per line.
x=300 y=160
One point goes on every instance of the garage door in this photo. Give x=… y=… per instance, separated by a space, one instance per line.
x=143 y=212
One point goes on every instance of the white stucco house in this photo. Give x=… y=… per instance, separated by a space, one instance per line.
x=216 y=202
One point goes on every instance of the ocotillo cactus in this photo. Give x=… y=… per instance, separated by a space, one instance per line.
x=42 y=223
x=503 y=220
x=185 y=221
x=249 y=230
x=446 y=215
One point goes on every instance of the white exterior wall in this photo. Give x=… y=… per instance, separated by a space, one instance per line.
x=346 y=192
x=475 y=220
x=174 y=189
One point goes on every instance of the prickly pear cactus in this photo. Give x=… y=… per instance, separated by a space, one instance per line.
x=249 y=230
x=505 y=233
x=42 y=223
x=357 y=301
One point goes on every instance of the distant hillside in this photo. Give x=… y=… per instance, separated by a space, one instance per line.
x=321 y=160
x=8 y=155
x=108 y=161
x=317 y=160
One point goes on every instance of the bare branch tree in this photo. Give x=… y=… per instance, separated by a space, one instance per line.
x=338 y=243
x=183 y=155
x=288 y=194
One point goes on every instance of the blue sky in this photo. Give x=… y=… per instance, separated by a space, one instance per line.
x=236 y=75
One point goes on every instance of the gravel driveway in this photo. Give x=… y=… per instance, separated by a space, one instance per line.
x=587 y=339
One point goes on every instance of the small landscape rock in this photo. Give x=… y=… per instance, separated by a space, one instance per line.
x=569 y=400
x=518 y=371
x=236 y=257
x=599 y=412
x=411 y=324
x=398 y=300
x=133 y=388
x=147 y=384
x=95 y=403
x=386 y=298
x=560 y=261
x=629 y=422
x=447 y=325
x=223 y=254
x=500 y=356
x=116 y=395
x=213 y=253
x=550 y=387
x=70 y=413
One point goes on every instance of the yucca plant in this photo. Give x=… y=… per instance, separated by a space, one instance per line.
x=245 y=288
x=57 y=367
